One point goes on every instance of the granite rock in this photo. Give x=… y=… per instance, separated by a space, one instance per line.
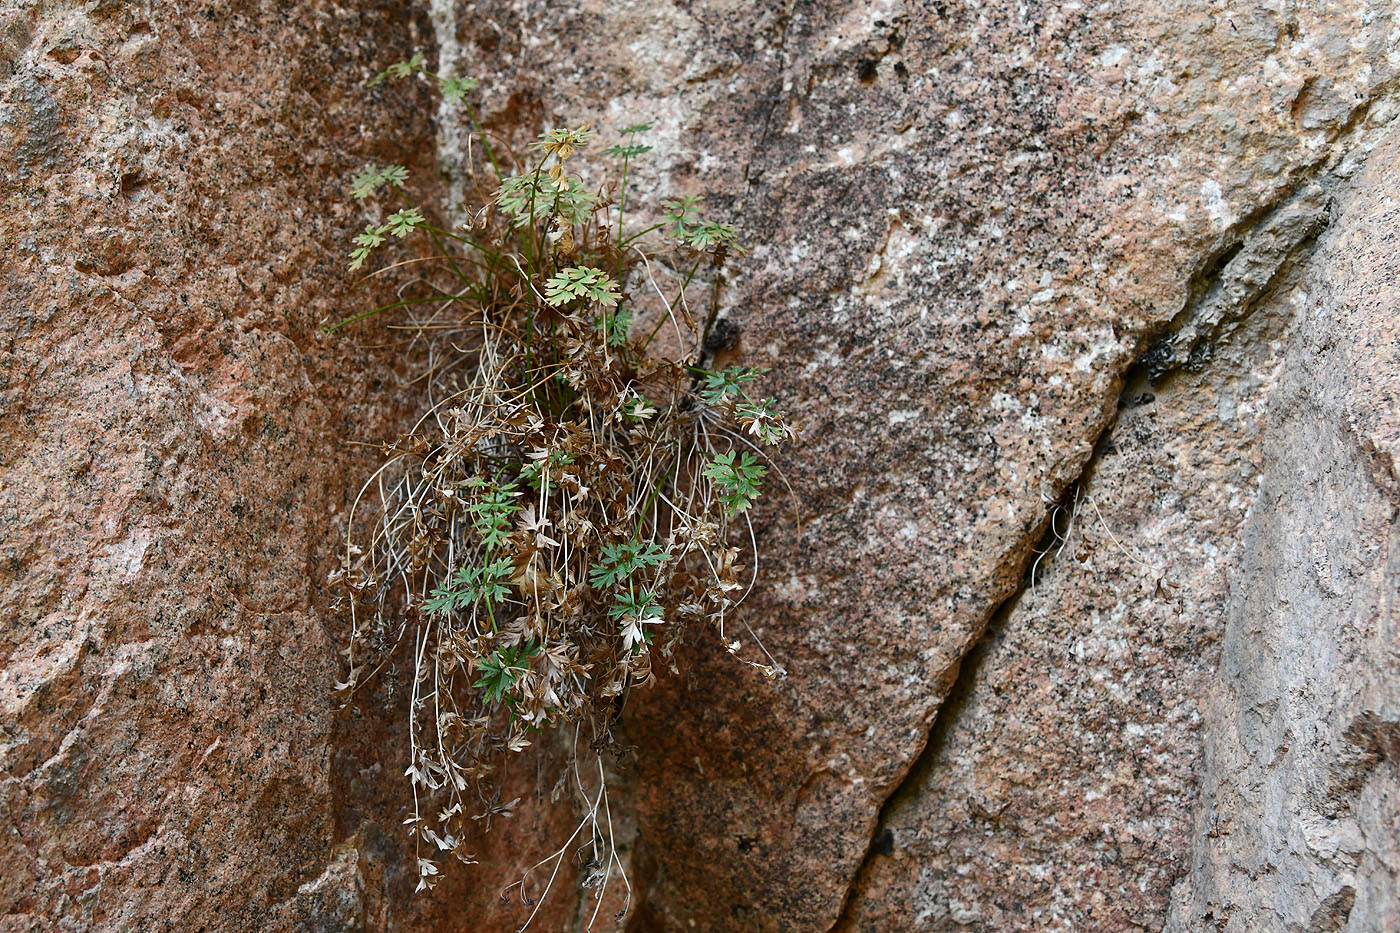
x=969 y=222
x=980 y=232
x=1297 y=827
x=177 y=452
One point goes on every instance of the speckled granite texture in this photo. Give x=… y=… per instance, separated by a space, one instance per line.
x=174 y=465
x=1011 y=261
x=1299 y=825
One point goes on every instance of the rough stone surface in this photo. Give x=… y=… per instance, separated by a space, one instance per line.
x=1298 y=825
x=173 y=465
x=1057 y=789
x=969 y=222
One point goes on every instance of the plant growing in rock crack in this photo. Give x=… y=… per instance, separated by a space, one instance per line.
x=573 y=501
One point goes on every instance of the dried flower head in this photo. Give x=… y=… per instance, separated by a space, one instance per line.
x=570 y=503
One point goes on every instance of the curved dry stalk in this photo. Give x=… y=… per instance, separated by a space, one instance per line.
x=561 y=501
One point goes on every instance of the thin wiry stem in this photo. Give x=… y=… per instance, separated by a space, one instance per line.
x=556 y=505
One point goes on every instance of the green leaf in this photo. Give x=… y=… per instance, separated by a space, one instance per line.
x=620 y=561
x=690 y=229
x=728 y=381
x=442 y=600
x=762 y=419
x=572 y=202
x=737 y=481
x=364 y=244
x=534 y=472
x=495 y=578
x=527 y=197
x=402 y=223
x=581 y=282
x=615 y=327
x=455 y=89
x=363 y=184
x=399 y=69
x=490 y=582
x=514 y=196
x=371 y=238
x=502 y=669
x=710 y=235
x=682 y=214
x=372 y=176
x=628 y=151
x=493 y=511
x=634 y=606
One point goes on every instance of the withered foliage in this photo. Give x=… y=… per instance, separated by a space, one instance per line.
x=573 y=501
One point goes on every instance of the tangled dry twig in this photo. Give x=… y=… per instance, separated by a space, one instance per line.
x=571 y=502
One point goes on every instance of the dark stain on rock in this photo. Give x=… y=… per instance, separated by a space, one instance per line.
x=1334 y=912
x=723 y=336
x=40 y=139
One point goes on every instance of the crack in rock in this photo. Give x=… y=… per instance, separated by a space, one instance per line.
x=1223 y=294
x=1233 y=283
x=881 y=838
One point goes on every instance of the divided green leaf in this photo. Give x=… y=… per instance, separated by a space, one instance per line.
x=620 y=561
x=402 y=223
x=738 y=481
x=399 y=69
x=503 y=668
x=584 y=282
x=727 y=382
x=371 y=177
x=455 y=89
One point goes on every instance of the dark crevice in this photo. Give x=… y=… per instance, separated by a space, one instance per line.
x=1148 y=368
x=1233 y=283
x=1050 y=533
x=778 y=98
x=1157 y=356
x=1146 y=376
x=1160 y=354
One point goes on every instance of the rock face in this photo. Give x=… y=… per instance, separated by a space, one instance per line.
x=175 y=455
x=1090 y=316
x=1060 y=788
x=1297 y=827
x=970 y=223
x=1057 y=789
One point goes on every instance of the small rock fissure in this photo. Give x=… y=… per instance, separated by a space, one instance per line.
x=1144 y=368
x=1307 y=195
x=778 y=98
x=1189 y=329
x=882 y=840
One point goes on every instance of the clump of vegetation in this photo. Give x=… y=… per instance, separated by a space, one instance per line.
x=574 y=501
